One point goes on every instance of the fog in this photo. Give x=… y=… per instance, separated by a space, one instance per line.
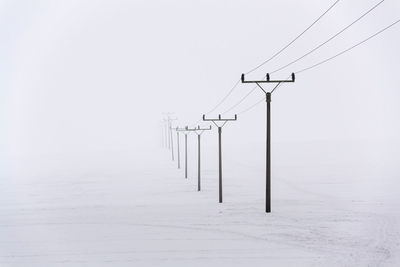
x=84 y=87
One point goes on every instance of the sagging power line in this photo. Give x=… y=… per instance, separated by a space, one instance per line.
x=327 y=60
x=240 y=101
x=305 y=55
x=328 y=40
x=294 y=40
x=280 y=51
x=350 y=48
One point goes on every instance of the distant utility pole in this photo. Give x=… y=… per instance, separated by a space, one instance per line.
x=177 y=142
x=199 y=132
x=170 y=139
x=268 y=129
x=224 y=121
x=162 y=135
x=165 y=133
x=185 y=132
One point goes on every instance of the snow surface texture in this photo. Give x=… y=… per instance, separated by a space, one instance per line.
x=133 y=210
x=84 y=85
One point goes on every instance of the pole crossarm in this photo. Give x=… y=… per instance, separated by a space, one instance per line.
x=268 y=80
x=200 y=130
x=219 y=118
x=190 y=129
x=181 y=129
x=197 y=129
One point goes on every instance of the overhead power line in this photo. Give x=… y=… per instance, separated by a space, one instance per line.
x=224 y=98
x=330 y=39
x=294 y=40
x=240 y=101
x=348 y=49
x=327 y=60
x=252 y=106
x=272 y=57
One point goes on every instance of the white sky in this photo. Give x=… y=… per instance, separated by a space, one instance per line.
x=83 y=76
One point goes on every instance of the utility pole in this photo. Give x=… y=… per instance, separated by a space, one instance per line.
x=178 y=152
x=224 y=121
x=165 y=126
x=170 y=139
x=162 y=135
x=199 y=131
x=185 y=132
x=268 y=130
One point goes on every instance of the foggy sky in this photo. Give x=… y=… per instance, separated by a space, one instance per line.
x=88 y=76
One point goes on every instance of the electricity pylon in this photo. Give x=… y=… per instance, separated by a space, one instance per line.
x=224 y=121
x=268 y=130
x=199 y=131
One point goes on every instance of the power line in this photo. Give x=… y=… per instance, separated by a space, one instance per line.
x=294 y=40
x=252 y=106
x=236 y=104
x=348 y=49
x=240 y=101
x=219 y=103
x=326 y=60
x=272 y=57
x=330 y=39
x=315 y=65
x=225 y=97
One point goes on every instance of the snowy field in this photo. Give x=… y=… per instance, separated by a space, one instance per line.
x=138 y=210
x=86 y=88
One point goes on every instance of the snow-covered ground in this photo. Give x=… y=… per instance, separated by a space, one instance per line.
x=138 y=210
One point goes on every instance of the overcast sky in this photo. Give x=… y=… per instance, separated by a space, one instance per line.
x=83 y=76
